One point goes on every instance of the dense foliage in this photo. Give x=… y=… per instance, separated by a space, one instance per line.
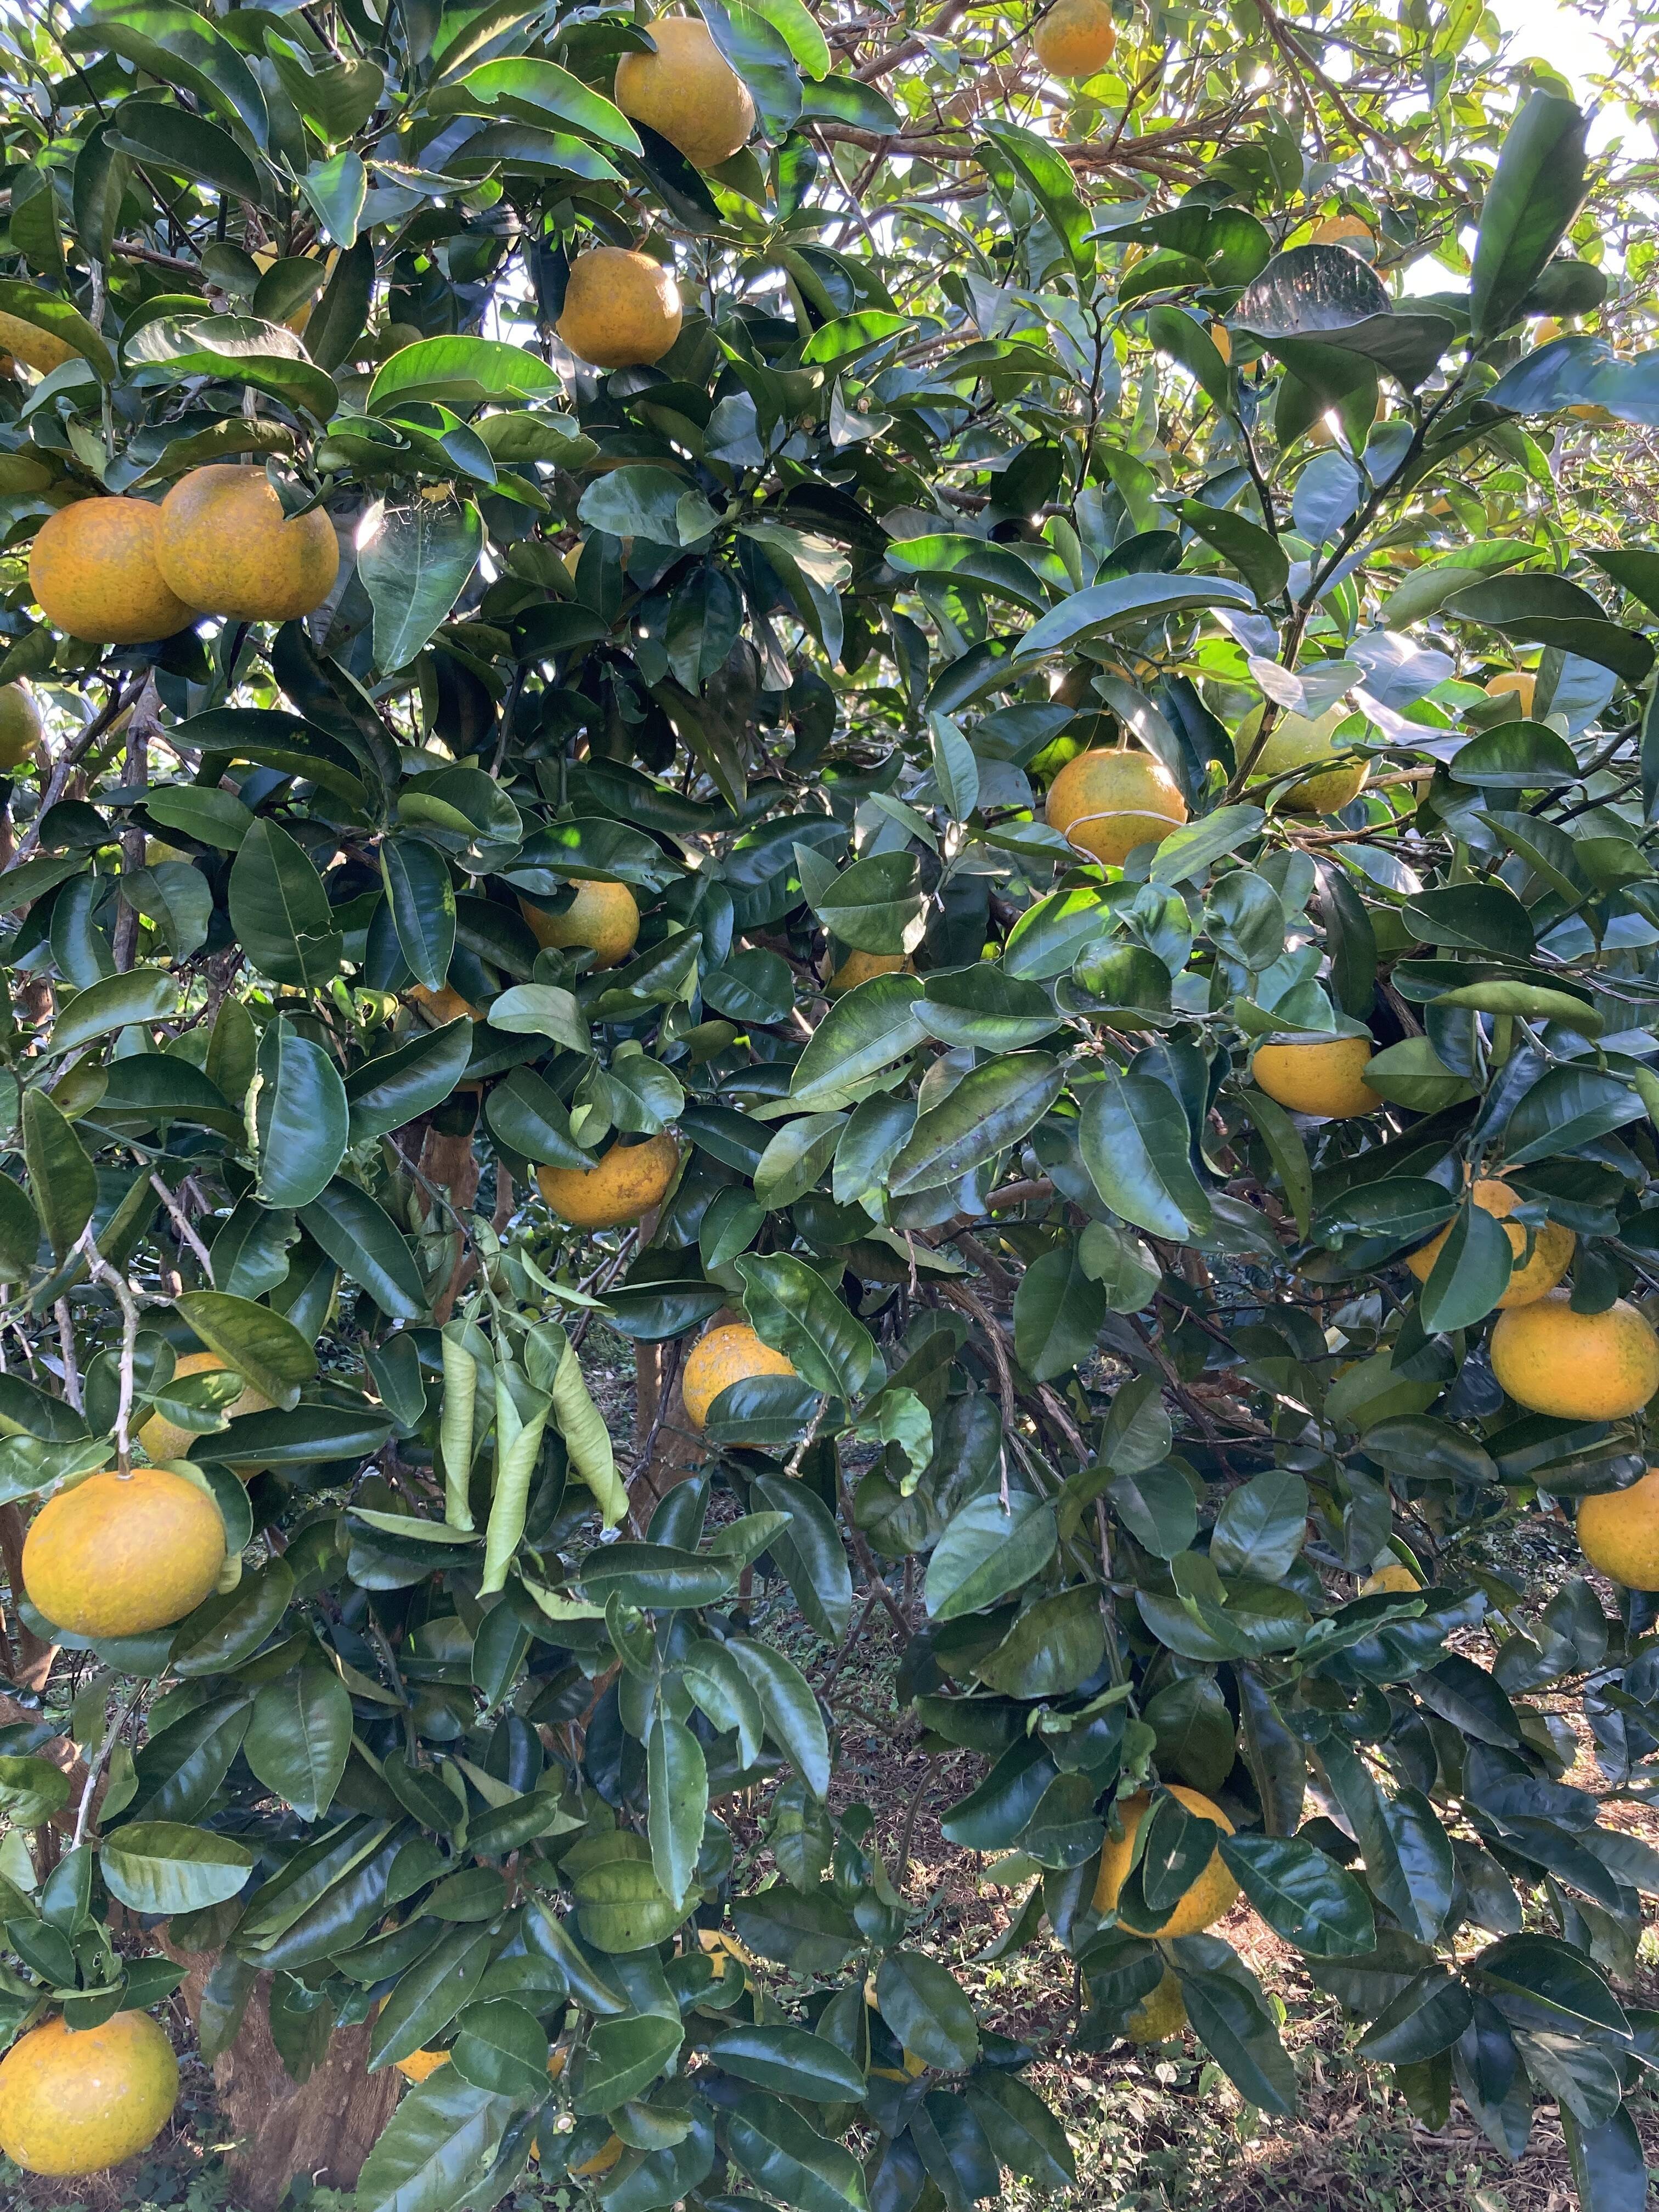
x=1005 y=422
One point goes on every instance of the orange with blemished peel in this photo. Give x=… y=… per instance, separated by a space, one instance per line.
x=118 y=1554
x=93 y=572
x=73 y=2104
x=621 y=1187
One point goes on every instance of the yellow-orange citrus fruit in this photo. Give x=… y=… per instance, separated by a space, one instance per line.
x=444 y=1004
x=1618 y=1532
x=1299 y=741
x=114 y=1556
x=225 y=546
x=622 y=1186
x=621 y=310
x=602 y=2160
x=602 y=916
x=20 y=726
x=1210 y=1896
x=730 y=1354
x=76 y=2104
x=721 y=1947
x=161 y=1438
x=1578 y=1367
x=40 y=348
x=1324 y=1076
x=687 y=92
x=1075 y=38
x=1552 y=1249
x=1108 y=803
x=421 y=2063
x=93 y=571
x=1397 y=1579
x=859 y=967
x=1160 y=2015
x=1222 y=339
x=1348 y=230
x=1519 y=681
x=1546 y=330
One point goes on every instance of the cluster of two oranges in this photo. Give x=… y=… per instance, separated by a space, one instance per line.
x=125 y=571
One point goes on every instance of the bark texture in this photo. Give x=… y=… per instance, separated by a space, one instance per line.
x=324 y=2127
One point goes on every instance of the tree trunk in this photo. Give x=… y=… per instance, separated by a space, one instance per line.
x=664 y=1449
x=324 y=2127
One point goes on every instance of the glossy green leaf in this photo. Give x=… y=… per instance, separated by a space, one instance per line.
x=163 y=1866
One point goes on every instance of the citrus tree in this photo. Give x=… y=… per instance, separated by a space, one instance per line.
x=950 y=718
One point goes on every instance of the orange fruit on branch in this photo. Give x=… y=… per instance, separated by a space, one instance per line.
x=1578 y=1367
x=1302 y=741
x=39 y=349
x=1160 y=2015
x=225 y=546
x=1108 y=803
x=93 y=572
x=859 y=967
x=1075 y=38
x=1209 y=1897
x=20 y=726
x=730 y=1353
x=115 y=1556
x=622 y=1186
x=621 y=310
x=160 y=1438
x=1396 y=1579
x=1324 y=1076
x=1552 y=1249
x=1618 y=1532
x=1517 y=682
x=687 y=92
x=72 y=2103
x=602 y=916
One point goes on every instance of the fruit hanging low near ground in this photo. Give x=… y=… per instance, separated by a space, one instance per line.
x=1297 y=741
x=93 y=573
x=20 y=726
x=1160 y=2015
x=1618 y=1532
x=75 y=2103
x=1322 y=1076
x=602 y=916
x=1075 y=38
x=730 y=1353
x=687 y=92
x=1198 y=1907
x=1108 y=803
x=118 y=1554
x=225 y=547
x=1582 y=1367
x=161 y=1438
x=1552 y=1249
x=1396 y=1579
x=621 y=310
x=624 y=1184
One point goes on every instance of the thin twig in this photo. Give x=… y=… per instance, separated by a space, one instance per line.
x=181 y=1221
x=66 y=1347
x=101 y=1272
x=95 y=1765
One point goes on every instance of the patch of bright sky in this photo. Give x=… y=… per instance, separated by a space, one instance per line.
x=1573 y=46
x=1555 y=32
